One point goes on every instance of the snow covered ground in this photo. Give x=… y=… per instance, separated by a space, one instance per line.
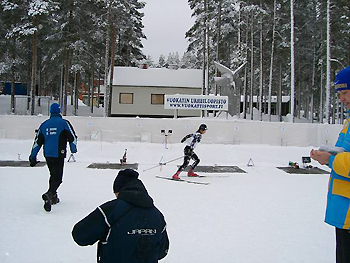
x=262 y=216
x=21 y=107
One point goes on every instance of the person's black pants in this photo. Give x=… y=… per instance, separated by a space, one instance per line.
x=55 y=166
x=343 y=245
x=189 y=154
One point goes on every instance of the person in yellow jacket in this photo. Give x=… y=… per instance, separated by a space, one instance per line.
x=338 y=198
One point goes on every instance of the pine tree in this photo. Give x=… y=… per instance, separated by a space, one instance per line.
x=161 y=61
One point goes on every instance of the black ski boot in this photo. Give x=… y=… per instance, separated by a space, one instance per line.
x=47 y=201
x=55 y=199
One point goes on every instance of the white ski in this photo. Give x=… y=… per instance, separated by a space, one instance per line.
x=181 y=180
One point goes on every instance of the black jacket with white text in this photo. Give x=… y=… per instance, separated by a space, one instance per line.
x=129 y=229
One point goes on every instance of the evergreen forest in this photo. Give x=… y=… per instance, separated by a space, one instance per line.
x=289 y=48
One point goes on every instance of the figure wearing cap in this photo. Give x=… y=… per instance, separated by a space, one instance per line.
x=53 y=134
x=128 y=229
x=338 y=197
x=193 y=140
x=342 y=86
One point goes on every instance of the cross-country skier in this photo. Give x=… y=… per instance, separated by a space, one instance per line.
x=189 y=153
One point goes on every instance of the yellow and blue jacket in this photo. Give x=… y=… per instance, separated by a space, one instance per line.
x=338 y=199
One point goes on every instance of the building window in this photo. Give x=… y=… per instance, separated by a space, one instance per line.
x=157 y=99
x=126 y=98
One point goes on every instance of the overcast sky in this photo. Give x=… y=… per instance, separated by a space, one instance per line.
x=166 y=22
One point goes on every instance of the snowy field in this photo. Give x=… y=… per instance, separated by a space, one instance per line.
x=262 y=216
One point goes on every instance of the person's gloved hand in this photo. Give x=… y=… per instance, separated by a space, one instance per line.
x=32 y=161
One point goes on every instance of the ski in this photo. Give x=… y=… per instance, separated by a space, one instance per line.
x=181 y=180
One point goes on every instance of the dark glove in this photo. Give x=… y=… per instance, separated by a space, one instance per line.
x=183 y=139
x=32 y=161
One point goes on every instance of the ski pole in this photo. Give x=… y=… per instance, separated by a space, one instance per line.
x=160 y=164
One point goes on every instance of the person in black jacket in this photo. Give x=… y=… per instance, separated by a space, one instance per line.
x=53 y=134
x=189 y=152
x=129 y=229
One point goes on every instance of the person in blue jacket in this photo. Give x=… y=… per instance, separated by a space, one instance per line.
x=53 y=134
x=338 y=198
x=129 y=229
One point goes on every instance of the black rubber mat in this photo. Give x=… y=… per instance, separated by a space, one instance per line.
x=116 y=166
x=313 y=170
x=19 y=164
x=218 y=169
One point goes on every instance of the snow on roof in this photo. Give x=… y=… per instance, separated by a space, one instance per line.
x=157 y=77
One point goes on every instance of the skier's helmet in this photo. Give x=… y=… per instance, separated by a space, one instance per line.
x=202 y=127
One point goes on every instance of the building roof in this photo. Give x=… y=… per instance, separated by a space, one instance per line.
x=157 y=77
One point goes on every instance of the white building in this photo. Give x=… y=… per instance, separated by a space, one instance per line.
x=140 y=92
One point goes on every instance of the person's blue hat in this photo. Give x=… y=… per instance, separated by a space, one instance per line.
x=342 y=80
x=123 y=178
x=55 y=108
